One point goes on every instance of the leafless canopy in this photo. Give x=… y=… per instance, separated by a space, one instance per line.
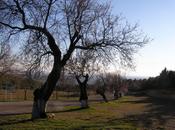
x=73 y=24
x=82 y=63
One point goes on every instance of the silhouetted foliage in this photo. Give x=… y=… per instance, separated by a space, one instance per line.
x=165 y=80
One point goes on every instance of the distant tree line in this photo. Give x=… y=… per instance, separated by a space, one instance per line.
x=18 y=82
x=102 y=84
x=165 y=80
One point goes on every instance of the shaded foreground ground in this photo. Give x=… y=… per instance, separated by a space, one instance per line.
x=129 y=113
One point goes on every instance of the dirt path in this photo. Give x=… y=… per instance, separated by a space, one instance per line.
x=9 y=108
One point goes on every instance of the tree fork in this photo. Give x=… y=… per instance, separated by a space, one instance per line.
x=83 y=91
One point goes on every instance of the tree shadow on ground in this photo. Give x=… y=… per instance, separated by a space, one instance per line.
x=14 y=121
x=72 y=110
x=157 y=114
x=11 y=121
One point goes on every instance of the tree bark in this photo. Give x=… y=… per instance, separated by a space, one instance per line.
x=39 y=109
x=41 y=95
x=83 y=95
x=116 y=96
x=101 y=91
x=25 y=94
x=83 y=92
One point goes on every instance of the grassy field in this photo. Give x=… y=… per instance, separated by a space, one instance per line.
x=98 y=116
x=127 y=113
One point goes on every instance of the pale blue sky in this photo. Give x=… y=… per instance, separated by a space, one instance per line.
x=157 y=19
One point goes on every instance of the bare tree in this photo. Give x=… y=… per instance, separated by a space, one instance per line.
x=102 y=86
x=117 y=84
x=50 y=30
x=83 y=65
x=114 y=83
x=83 y=90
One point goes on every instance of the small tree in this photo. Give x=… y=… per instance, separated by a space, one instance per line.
x=83 y=90
x=83 y=65
x=102 y=87
x=115 y=83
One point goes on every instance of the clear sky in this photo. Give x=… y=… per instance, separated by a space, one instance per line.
x=156 y=19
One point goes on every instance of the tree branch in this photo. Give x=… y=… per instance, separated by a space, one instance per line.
x=47 y=15
x=84 y=47
x=51 y=41
x=12 y=27
x=78 y=80
x=46 y=53
x=76 y=38
x=86 y=79
x=21 y=11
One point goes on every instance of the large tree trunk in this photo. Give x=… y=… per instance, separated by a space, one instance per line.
x=41 y=95
x=39 y=109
